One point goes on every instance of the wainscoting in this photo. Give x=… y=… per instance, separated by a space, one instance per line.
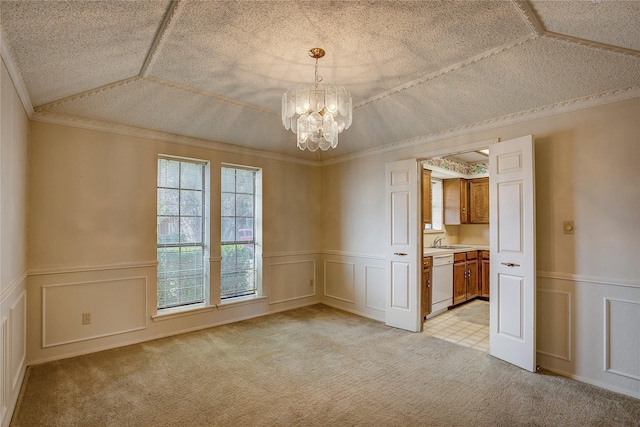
x=291 y=280
x=13 y=351
x=586 y=327
x=588 y=330
x=121 y=300
x=355 y=283
x=64 y=304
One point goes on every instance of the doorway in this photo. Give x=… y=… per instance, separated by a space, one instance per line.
x=465 y=323
x=512 y=263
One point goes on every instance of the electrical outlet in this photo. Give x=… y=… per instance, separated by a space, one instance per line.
x=86 y=318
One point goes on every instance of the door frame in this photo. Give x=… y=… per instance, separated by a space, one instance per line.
x=439 y=152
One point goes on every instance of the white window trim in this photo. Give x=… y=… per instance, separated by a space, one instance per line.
x=171 y=312
x=229 y=302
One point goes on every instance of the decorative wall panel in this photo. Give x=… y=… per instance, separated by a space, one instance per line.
x=115 y=307
x=374 y=285
x=291 y=280
x=622 y=340
x=3 y=369
x=18 y=339
x=553 y=323
x=339 y=280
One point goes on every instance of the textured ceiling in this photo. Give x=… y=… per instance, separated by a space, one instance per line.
x=216 y=70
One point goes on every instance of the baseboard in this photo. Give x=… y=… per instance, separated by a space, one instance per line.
x=352 y=311
x=598 y=384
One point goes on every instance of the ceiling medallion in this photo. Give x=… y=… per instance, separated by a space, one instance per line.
x=316 y=113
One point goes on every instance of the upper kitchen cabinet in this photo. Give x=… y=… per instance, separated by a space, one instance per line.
x=456 y=201
x=426 y=196
x=479 y=201
x=466 y=201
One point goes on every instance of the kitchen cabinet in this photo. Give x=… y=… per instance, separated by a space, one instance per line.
x=479 y=201
x=427 y=262
x=465 y=276
x=484 y=274
x=466 y=201
x=456 y=201
x=426 y=197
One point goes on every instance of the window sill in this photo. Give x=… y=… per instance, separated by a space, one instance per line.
x=431 y=231
x=235 y=302
x=172 y=313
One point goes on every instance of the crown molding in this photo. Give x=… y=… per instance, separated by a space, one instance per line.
x=519 y=117
x=16 y=76
x=132 y=131
x=170 y=18
x=522 y=116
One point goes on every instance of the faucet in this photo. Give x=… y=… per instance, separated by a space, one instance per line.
x=437 y=241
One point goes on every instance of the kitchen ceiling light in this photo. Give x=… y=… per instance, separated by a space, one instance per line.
x=316 y=113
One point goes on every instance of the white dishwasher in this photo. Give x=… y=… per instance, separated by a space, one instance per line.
x=442 y=284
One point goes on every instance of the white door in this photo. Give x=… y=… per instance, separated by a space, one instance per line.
x=402 y=305
x=513 y=267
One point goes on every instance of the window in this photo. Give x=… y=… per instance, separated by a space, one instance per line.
x=436 y=205
x=238 y=234
x=181 y=233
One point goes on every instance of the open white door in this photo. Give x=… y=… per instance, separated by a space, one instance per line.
x=402 y=308
x=513 y=268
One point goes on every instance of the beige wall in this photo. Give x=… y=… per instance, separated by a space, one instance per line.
x=587 y=171
x=92 y=239
x=14 y=140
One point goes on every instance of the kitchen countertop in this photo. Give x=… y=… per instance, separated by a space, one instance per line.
x=459 y=248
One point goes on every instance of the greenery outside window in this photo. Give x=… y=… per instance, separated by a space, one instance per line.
x=181 y=231
x=239 y=213
x=436 y=206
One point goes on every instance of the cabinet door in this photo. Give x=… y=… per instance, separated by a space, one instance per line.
x=459 y=282
x=485 y=276
x=479 y=201
x=456 y=201
x=464 y=201
x=426 y=289
x=426 y=197
x=472 y=279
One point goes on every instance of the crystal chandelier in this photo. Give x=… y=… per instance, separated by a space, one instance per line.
x=316 y=113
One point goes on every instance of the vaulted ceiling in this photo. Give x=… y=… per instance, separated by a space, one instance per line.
x=214 y=71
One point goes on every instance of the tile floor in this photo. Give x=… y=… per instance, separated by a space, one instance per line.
x=449 y=327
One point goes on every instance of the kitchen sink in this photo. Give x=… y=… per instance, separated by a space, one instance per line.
x=449 y=247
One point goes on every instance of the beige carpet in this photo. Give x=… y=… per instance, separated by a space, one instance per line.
x=314 y=366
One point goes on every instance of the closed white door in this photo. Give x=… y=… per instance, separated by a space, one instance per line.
x=512 y=238
x=402 y=293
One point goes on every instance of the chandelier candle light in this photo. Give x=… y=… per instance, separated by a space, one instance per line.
x=316 y=113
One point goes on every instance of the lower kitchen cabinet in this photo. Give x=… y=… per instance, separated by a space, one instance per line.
x=484 y=274
x=425 y=304
x=465 y=276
